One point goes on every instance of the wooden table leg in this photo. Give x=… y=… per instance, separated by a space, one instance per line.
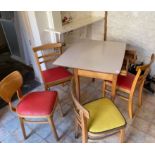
x=114 y=83
x=77 y=84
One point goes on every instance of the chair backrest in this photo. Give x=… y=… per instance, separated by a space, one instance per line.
x=10 y=85
x=47 y=53
x=152 y=59
x=142 y=72
x=145 y=69
x=79 y=109
x=130 y=54
x=129 y=58
x=81 y=114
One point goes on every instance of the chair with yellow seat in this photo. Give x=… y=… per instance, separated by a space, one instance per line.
x=98 y=118
x=127 y=84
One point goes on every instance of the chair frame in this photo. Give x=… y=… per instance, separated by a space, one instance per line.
x=82 y=116
x=50 y=46
x=15 y=81
x=138 y=81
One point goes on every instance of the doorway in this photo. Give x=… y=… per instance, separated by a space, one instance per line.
x=11 y=54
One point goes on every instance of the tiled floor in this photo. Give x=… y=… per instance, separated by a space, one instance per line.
x=140 y=129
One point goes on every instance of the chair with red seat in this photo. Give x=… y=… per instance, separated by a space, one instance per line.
x=33 y=105
x=127 y=84
x=47 y=53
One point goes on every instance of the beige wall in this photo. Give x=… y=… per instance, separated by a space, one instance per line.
x=137 y=29
x=93 y=31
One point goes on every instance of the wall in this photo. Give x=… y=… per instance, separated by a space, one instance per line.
x=42 y=22
x=137 y=29
x=42 y=18
x=94 y=31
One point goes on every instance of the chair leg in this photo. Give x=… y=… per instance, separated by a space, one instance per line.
x=51 y=123
x=130 y=108
x=103 y=88
x=22 y=127
x=140 y=95
x=122 y=135
x=84 y=137
x=84 y=130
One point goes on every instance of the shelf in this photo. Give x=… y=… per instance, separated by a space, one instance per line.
x=76 y=24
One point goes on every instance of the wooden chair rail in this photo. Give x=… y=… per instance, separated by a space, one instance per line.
x=35 y=122
x=50 y=54
x=47 y=60
x=47 y=46
x=120 y=95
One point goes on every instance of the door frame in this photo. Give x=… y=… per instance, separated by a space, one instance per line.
x=32 y=36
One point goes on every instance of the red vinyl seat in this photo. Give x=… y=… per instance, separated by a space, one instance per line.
x=55 y=74
x=125 y=82
x=37 y=103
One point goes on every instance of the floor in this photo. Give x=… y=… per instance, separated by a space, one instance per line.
x=141 y=129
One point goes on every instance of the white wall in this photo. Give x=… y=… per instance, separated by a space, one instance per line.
x=94 y=31
x=42 y=22
x=137 y=29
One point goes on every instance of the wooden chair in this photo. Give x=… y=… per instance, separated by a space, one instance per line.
x=129 y=58
x=55 y=75
x=127 y=84
x=98 y=118
x=33 y=105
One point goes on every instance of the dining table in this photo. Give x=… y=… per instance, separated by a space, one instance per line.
x=94 y=59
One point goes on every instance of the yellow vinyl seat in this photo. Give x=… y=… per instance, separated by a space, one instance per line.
x=104 y=116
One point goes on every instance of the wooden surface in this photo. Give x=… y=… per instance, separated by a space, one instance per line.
x=94 y=55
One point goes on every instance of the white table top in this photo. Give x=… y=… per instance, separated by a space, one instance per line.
x=100 y=56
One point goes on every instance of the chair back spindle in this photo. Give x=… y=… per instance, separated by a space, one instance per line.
x=47 y=53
